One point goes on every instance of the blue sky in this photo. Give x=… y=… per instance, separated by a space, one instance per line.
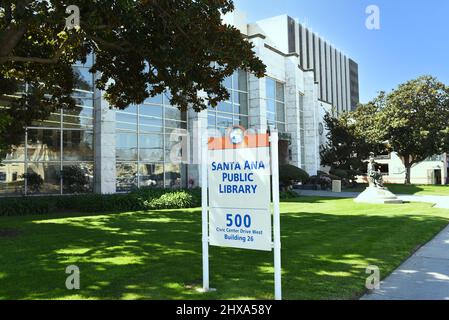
x=413 y=39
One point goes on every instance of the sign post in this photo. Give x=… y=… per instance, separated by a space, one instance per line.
x=205 y=209
x=276 y=216
x=236 y=193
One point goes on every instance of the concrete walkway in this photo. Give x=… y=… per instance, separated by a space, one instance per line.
x=438 y=201
x=425 y=275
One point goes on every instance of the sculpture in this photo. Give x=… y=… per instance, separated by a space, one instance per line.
x=376 y=192
x=375 y=178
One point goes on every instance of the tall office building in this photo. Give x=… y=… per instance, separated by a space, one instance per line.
x=335 y=73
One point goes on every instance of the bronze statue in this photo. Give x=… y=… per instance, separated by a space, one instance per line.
x=375 y=178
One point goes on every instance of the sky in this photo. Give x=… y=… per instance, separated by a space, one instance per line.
x=413 y=38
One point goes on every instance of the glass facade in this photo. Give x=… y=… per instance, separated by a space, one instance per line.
x=56 y=155
x=235 y=110
x=275 y=97
x=302 y=131
x=144 y=142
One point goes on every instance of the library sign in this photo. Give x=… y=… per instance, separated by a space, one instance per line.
x=237 y=195
x=239 y=191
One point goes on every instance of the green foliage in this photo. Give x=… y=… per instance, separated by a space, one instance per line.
x=411 y=121
x=321 y=180
x=34 y=181
x=149 y=198
x=351 y=137
x=181 y=45
x=289 y=174
x=25 y=206
x=141 y=199
x=339 y=174
x=157 y=255
x=324 y=180
x=415 y=117
x=284 y=195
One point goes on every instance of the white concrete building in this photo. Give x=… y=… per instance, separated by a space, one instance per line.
x=116 y=151
x=432 y=171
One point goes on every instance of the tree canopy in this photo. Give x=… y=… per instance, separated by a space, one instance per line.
x=351 y=137
x=415 y=119
x=142 y=48
x=412 y=121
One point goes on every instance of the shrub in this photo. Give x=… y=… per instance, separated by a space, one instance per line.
x=172 y=200
x=288 y=195
x=289 y=174
x=324 y=181
x=25 y=206
x=140 y=199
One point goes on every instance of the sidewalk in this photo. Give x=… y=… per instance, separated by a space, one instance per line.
x=425 y=275
x=439 y=201
x=325 y=194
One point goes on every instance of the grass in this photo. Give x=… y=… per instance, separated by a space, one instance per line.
x=419 y=190
x=327 y=245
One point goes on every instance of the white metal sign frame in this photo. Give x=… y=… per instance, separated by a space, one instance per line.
x=273 y=139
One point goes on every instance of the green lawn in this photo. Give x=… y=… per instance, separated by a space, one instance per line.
x=327 y=244
x=419 y=190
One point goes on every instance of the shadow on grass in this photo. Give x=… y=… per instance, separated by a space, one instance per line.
x=157 y=255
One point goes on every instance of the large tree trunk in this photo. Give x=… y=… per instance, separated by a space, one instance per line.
x=408 y=169
x=408 y=175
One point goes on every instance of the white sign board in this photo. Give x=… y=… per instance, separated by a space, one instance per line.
x=240 y=228
x=239 y=178
x=236 y=196
x=239 y=192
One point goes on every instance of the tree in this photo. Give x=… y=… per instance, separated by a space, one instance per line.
x=142 y=48
x=415 y=117
x=351 y=137
x=412 y=121
x=289 y=174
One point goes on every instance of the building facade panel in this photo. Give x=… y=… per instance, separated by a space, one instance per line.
x=328 y=75
x=334 y=78
x=354 y=83
x=323 y=67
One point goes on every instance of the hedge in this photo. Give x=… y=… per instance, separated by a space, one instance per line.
x=141 y=199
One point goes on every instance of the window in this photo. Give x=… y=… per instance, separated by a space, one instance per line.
x=143 y=144
x=302 y=131
x=81 y=117
x=56 y=155
x=275 y=98
x=235 y=110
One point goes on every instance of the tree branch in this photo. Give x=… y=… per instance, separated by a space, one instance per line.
x=53 y=60
x=13 y=33
x=108 y=44
x=10 y=38
x=29 y=59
